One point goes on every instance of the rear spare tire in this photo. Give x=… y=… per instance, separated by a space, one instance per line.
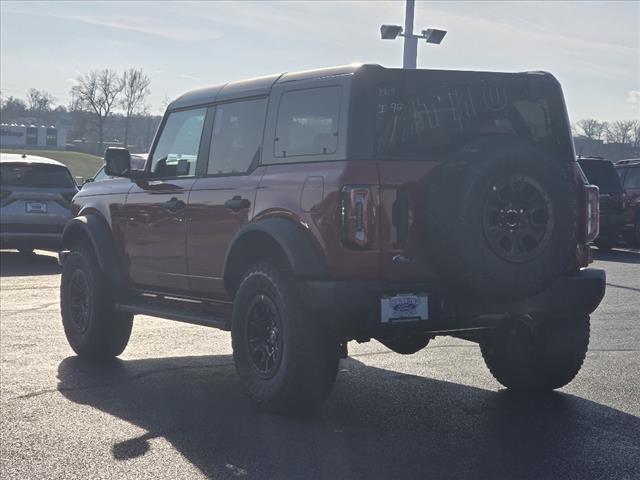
x=501 y=221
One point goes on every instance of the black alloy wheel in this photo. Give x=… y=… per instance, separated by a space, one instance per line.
x=264 y=338
x=517 y=218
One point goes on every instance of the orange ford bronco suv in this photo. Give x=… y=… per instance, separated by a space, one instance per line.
x=304 y=210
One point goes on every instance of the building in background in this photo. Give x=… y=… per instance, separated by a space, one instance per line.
x=31 y=136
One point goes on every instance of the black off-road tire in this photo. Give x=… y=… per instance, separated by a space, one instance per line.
x=307 y=365
x=547 y=358
x=94 y=329
x=458 y=208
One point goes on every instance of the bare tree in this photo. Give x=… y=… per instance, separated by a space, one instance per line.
x=98 y=91
x=591 y=128
x=11 y=108
x=620 y=131
x=135 y=89
x=39 y=100
x=635 y=134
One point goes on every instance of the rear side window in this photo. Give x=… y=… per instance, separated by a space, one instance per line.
x=307 y=122
x=176 y=153
x=35 y=176
x=237 y=136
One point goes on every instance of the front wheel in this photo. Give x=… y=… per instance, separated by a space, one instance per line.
x=94 y=329
x=545 y=358
x=286 y=361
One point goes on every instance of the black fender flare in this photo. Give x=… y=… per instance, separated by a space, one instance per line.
x=95 y=229
x=293 y=241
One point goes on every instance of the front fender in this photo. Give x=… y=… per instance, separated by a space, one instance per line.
x=95 y=230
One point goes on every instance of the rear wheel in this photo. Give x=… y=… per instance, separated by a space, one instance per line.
x=545 y=358
x=94 y=329
x=286 y=361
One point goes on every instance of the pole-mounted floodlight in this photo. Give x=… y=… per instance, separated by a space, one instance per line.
x=433 y=35
x=391 y=32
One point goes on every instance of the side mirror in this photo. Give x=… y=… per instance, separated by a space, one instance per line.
x=117 y=162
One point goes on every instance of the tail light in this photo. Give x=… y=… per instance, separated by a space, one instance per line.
x=592 y=212
x=357 y=217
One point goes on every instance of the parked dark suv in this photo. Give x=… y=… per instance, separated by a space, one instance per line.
x=629 y=172
x=602 y=173
x=304 y=210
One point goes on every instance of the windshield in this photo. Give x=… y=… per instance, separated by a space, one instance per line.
x=415 y=117
x=601 y=173
x=36 y=176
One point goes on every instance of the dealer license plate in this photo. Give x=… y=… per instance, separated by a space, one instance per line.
x=404 y=307
x=36 y=207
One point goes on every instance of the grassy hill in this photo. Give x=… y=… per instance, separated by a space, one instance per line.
x=81 y=164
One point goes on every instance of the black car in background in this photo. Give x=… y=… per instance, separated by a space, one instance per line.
x=602 y=172
x=629 y=173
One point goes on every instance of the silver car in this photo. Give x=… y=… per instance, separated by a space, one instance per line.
x=35 y=201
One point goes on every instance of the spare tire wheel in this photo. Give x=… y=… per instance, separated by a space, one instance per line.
x=500 y=223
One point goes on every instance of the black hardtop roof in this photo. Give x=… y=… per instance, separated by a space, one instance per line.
x=262 y=85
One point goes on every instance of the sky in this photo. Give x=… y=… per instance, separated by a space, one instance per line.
x=592 y=47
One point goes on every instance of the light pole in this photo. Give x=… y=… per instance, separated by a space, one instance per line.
x=391 y=32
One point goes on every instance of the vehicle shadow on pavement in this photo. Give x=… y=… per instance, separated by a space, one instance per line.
x=376 y=424
x=15 y=264
x=615 y=255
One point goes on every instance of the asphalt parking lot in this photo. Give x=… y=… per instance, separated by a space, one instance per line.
x=171 y=407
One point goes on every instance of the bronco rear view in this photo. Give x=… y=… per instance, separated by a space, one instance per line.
x=304 y=210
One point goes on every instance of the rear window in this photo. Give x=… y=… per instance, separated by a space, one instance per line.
x=35 y=176
x=415 y=118
x=601 y=173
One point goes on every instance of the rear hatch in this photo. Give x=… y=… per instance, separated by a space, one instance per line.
x=418 y=118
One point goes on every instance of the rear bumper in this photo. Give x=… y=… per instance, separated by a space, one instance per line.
x=356 y=304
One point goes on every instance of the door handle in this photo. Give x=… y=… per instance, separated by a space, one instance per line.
x=237 y=203
x=173 y=205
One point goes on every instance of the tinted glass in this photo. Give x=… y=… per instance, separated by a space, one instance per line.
x=101 y=175
x=237 y=136
x=415 y=118
x=176 y=153
x=36 y=176
x=601 y=173
x=632 y=178
x=308 y=122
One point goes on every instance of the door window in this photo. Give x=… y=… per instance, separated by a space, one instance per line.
x=237 y=136
x=307 y=122
x=176 y=153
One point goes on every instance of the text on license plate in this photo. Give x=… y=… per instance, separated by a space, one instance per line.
x=404 y=307
x=36 y=207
